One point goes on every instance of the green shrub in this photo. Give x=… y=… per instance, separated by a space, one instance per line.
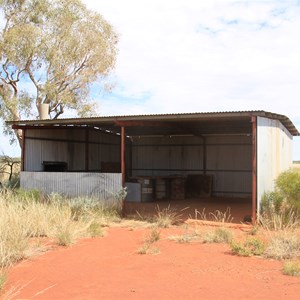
x=287 y=191
x=252 y=246
x=288 y=184
x=272 y=202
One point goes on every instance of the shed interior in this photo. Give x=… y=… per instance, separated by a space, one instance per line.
x=177 y=162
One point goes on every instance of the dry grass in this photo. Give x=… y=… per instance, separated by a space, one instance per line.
x=216 y=216
x=24 y=215
x=219 y=235
x=283 y=245
x=186 y=237
x=291 y=268
x=149 y=240
x=251 y=246
x=284 y=220
x=166 y=217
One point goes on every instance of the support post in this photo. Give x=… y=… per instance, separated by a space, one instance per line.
x=23 y=150
x=87 y=156
x=204 y=155
x=254 y=168
x=123 y=155
x=123 y=164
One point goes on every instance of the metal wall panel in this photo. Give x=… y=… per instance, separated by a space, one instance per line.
x=69 y=145
x=228 y=160
x=156 y=156
x=274 y=153
x=98 y=185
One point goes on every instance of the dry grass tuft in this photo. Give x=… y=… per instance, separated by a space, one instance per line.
x=219 y=235
x=283 y=245
x=291 y=268
x=166 y=217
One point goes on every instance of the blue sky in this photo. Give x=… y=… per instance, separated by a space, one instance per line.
x=195 y=56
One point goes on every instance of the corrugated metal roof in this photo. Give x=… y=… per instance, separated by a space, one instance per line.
x=167 y=118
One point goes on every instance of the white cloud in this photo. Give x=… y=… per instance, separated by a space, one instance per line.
x=206 y=55
x=193 y=55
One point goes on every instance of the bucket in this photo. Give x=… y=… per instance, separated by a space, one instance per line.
x=161 y=189
x=147 y=189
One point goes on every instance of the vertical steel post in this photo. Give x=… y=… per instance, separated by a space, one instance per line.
x=23 y=150
x=123 y=155
x=87 y=156
x=204 y=155
x=123 y=164
x=254 y=168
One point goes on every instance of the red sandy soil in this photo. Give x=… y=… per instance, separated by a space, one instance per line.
x=110 y=268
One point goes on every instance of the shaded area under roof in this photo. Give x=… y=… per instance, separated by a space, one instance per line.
x=238 y=122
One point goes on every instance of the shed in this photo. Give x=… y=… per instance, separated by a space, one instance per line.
x=215 y=158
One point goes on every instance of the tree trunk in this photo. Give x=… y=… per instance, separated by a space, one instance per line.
x=19 y=135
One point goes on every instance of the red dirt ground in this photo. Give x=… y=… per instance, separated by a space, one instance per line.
x=110 y=268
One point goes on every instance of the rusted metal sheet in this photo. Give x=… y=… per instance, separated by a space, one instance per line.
x=99 y=185
x=274 y=153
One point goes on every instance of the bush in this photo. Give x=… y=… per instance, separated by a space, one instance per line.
x=26 y=214
x=219 y=235
x=272 y=202
x=284 y=201
x=291 y=268
x=252 y=246
x=283 y=245
x=288 y=183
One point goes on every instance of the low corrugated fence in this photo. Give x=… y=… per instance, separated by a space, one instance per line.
x=99 y=185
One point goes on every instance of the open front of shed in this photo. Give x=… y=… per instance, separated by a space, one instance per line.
x=190 y=162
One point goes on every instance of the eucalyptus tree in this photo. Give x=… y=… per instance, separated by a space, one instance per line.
x=51 y=52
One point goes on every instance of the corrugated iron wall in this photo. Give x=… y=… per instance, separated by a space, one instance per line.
x=228 y=159
x=274 y=153
x=99 y=185
x=69 y=145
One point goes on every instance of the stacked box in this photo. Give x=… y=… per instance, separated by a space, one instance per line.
x=177 y=188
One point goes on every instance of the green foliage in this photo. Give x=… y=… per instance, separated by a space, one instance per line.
x=291 y=268
x=272 y=202
x=288 y=183
x=281 y=207
x=252 y=246
x=60 y=48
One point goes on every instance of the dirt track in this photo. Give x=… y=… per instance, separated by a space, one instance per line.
x=110 y=268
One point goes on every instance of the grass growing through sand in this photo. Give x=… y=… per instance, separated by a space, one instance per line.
x=292 y=268
x=149 y=241
x=28 y=214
